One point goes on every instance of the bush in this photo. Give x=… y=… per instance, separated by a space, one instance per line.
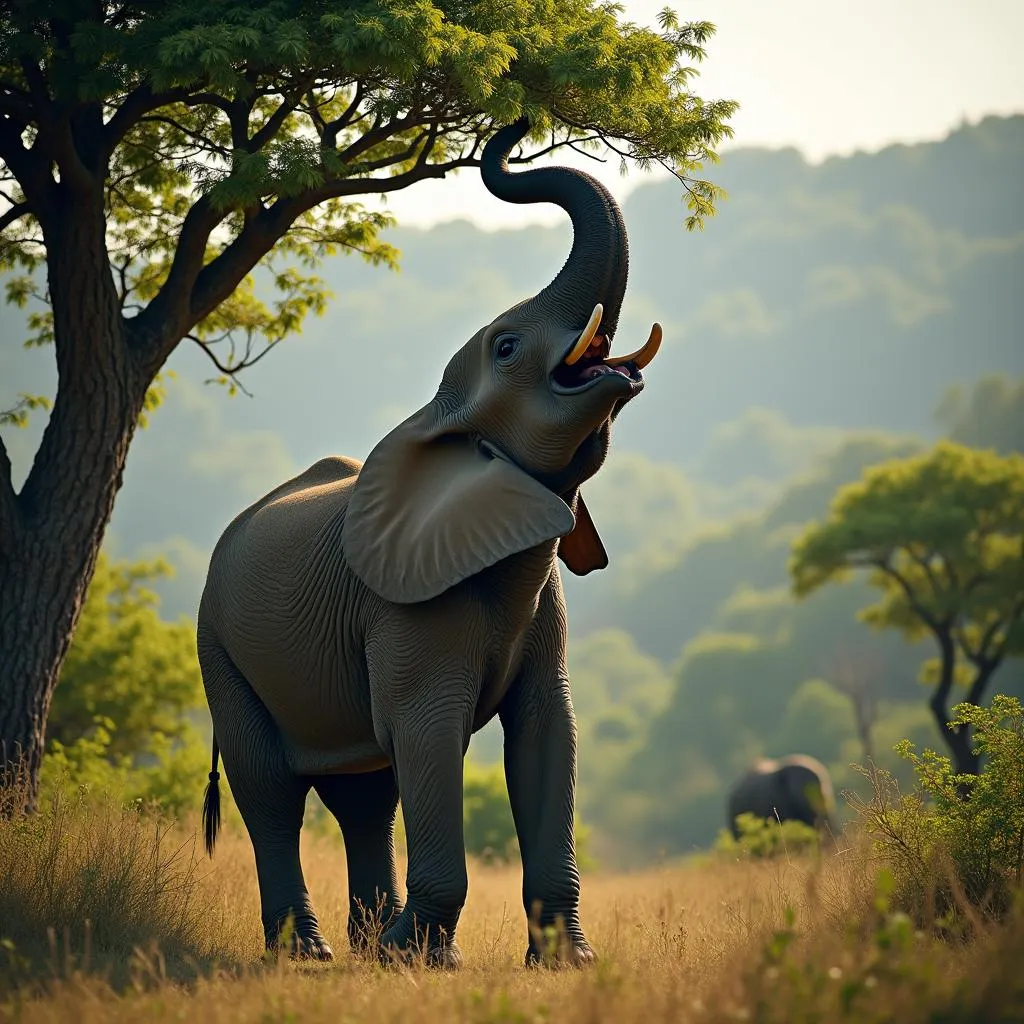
x=489 y=829
x=126 y=664
x=956 y=843
x=767 y=837
x=488 y=826
x=172 y=782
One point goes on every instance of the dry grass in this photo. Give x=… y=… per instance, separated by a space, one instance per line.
x=703 y=942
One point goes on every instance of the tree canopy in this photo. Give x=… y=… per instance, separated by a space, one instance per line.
x=227 y=133
x=942 y=537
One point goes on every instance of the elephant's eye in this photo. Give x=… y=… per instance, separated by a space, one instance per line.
x=506 y=347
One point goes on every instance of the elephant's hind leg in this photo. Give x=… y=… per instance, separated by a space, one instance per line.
x=365 y=806
x=269 y=796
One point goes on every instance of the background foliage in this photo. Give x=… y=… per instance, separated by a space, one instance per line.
x=830 y=318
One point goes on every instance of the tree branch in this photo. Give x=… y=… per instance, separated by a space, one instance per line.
x=926 y=616
x=979 y=656
x=203 y=143
x=379 y=134
x=211 y=99
x=228 y=371
x=981 y=680
x=334 y=128
x=17 y=211
x=273 y=124
x=988 y=663
x=373 y=186
x=164 y=321
x=219 y=278
x=924 y=563
x=55 y=134
x=30 y=170
x=136 y=105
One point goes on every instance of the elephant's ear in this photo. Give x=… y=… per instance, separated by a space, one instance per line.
x=582 y=550
x=430 y=509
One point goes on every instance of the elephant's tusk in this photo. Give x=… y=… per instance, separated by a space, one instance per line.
x=586 y=337
x=642 y=356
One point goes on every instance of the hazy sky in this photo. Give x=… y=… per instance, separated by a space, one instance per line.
x=826 y=76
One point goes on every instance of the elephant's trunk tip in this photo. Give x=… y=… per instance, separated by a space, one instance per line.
x=211 y=804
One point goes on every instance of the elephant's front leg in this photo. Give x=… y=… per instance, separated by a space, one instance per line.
x=428 y=745
x=540 y=769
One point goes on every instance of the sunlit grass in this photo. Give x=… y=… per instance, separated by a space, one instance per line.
x=708 y=940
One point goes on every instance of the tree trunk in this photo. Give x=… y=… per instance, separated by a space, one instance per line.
x=65 y=505
x=958 y=739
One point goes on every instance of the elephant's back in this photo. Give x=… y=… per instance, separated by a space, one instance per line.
x=757 y=791
x=283 y=605
x=751 y=794
x=268 y=550
x=813 y=771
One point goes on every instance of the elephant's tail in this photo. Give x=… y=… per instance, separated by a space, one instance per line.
x=211 y=804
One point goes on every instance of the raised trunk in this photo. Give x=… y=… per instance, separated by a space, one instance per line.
x=598 y=262
x=65 y=505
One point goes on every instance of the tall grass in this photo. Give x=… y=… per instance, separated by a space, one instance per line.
x=789 y=939
x=87 y=880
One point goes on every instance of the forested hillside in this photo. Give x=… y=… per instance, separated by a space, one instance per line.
x=814 y=328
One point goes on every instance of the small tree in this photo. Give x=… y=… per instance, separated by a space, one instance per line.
x=152 y=154
x=941 y=535
x=127 y=665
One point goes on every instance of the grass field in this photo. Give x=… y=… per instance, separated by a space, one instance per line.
x=785 y=940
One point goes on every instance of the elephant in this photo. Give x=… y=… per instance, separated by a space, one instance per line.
x=793 y=788
x=362 y=620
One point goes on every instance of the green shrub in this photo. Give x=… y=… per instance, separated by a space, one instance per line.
x=956 y=841
x=171 y=780
x=126 y=664
x=488 y=826
x=767 y=837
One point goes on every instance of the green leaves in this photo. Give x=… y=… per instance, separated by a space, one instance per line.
x=946 y=849
x=941 y=534
x=225 y=134
x=942 y=537
x=17 y=415
x=128 y=668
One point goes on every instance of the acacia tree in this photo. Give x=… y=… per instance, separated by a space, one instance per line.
x=153 y=154
x=942 y=535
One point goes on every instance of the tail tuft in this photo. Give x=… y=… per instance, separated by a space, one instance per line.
x=211 y=805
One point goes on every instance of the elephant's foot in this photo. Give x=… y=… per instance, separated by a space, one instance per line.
x=554 y=945
x=301 y=937
x=433 y=945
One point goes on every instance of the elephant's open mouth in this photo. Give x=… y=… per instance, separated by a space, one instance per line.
x=581 y=370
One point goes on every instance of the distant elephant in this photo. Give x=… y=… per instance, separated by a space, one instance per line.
x=360 y=622
x=794 y=788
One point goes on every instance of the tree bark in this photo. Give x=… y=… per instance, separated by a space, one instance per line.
x=958 y=739
x=64 y=507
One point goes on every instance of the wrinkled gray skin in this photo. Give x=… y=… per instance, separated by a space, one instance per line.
x=793 y=788
x=359 y=623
